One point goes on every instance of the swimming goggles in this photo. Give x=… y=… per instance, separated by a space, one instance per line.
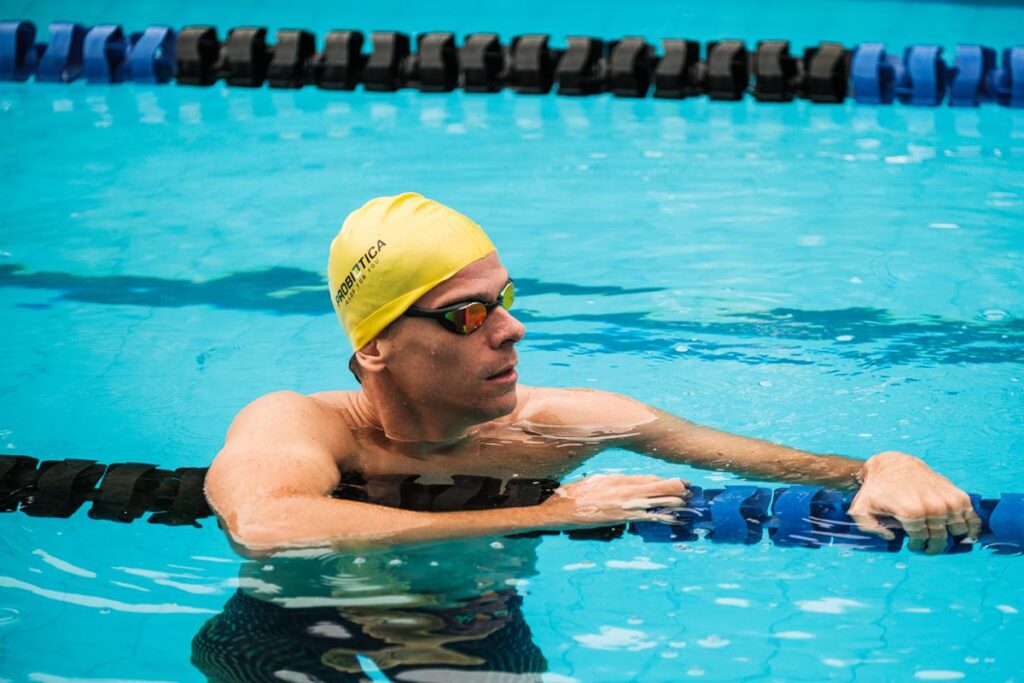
x=466 y=318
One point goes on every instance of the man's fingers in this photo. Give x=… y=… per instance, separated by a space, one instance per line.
x=925 y=534
x=973 y=524
x=937 y=536
x=957 y=523
x=665 y=501
x=632 y=478
x=869 y=524
x=665 y=487
x=917 y=532
x=659 y=517
x=659 y=501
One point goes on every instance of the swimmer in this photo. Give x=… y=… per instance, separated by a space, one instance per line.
x=427 y=306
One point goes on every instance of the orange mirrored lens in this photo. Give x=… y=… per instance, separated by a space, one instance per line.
x=475 y=316
x=468 y=318
x=471 y=316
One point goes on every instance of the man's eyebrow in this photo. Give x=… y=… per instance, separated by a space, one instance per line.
x=475 y=296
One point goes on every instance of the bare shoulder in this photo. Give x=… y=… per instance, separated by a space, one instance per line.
x=286 y=414
x=581 y=408
x=281 y=440
x=283 y=444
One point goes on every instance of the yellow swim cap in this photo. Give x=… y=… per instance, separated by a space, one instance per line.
x=392 y=251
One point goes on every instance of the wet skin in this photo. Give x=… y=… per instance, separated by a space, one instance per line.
x=436 y=403
x=503 y=449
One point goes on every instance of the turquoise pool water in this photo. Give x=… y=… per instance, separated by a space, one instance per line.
x=841 y=279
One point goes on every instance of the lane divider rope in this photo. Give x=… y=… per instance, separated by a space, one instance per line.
x=629 y=67
x=804 y=516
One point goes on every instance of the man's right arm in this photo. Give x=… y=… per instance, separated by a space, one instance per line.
x=271 y=486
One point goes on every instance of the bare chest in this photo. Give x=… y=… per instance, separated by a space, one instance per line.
x=503 y=455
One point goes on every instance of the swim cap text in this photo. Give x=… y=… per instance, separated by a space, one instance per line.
x=357 y=273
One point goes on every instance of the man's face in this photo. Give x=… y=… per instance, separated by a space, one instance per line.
x=473 y=374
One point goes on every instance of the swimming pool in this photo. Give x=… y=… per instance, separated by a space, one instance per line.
x=837 y=278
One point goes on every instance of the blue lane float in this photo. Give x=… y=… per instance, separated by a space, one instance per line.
x=792 y=516
x=19 y=53
x=1009 y=80
x=62 y=56
x=151 y=58
x=874 y=73
x=101 y=54
x=104 y=54
x=434 y=62
x=922 y=79
x=971 y=79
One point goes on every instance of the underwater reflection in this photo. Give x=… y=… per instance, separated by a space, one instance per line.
x=255 y=640
x=442 y=612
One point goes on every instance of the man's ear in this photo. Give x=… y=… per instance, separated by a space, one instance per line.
x=370 y=358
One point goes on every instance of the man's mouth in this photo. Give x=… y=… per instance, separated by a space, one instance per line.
x=506 y=374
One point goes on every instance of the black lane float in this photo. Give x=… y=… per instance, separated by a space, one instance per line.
x=803 y=516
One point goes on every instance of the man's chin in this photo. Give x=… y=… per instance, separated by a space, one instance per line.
x=509 y=407
x=502 y=406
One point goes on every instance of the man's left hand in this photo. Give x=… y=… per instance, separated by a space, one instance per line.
x=926 y=504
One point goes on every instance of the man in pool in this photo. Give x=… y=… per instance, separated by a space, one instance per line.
x=424 y=299
x=425 y=302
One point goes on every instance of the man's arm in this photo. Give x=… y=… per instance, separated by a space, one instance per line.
x=272 y=481
x=892 y=484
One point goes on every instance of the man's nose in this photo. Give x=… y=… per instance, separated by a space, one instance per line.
x=508 y=329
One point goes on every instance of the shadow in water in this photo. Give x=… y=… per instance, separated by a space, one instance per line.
x=284 y=291
x=278 y=290
x=870 y=336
